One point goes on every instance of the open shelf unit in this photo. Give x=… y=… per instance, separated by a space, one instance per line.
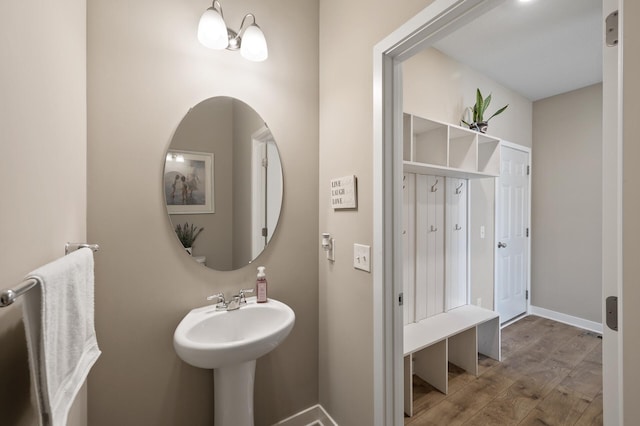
x=440 y=326
x=431 y=147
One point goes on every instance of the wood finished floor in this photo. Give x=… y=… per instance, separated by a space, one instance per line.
x=550 y=374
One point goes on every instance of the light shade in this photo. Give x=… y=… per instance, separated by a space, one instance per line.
x=212 y=30
x=254 y=45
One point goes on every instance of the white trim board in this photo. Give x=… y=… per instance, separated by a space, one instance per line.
x=312 y=416
x=593 y=326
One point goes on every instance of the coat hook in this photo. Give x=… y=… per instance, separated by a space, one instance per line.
x=458 y=227
x=459 y=189
x=434 y=186
x=434 y=229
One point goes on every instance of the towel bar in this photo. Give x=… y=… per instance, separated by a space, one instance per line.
x=7 y=297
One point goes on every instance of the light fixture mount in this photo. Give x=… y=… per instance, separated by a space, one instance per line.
x=234 y=40
x=214 y=34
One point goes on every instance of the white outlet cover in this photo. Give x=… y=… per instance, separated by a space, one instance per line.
x=362 y=257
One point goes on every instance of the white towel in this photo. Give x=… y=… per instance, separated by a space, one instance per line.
x=59 y=323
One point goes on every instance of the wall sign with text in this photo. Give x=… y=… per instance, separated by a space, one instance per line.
x=344 y=192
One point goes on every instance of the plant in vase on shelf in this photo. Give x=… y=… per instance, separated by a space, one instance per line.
x=478 y=122
x=187 y=235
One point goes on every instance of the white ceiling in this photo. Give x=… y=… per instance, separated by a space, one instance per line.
x=538 y=48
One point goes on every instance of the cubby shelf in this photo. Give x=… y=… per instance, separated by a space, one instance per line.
x=440 y=326
x=455 y=336
x=435 y=148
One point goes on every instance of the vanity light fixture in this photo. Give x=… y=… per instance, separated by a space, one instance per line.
x=214 y=34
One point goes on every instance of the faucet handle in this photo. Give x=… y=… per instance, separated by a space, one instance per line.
x=222 y=303
x=242 y=294
x=219 y=296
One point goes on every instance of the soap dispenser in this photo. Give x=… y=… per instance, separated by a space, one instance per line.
x=261 y=285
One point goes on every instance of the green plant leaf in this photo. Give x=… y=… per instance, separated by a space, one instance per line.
x=500 y=111
x=467 y=124
x=478 y=108
x=486 y=103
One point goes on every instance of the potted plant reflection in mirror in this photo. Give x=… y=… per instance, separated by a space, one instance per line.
x=187 y=235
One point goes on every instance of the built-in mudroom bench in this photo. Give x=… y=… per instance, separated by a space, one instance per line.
x=440 y=324
x=455 y=336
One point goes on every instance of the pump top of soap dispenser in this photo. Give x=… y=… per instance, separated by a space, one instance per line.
x=261 y=273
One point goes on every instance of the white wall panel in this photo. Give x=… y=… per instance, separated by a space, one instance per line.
x=435 y=244
x=422 y=246
x=456 y=242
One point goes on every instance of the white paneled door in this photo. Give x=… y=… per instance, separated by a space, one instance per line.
x=512 y=229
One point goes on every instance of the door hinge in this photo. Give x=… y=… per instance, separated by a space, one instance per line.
x=611 y=29
x=265 y=232
x=401 y=299
x=612 y=312
x=527 y=232
x=528 y=170
x=526 y=295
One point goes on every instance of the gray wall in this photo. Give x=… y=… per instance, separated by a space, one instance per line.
x=566 y=252
x=43 y=167
x=146 y=68
x=349 y=30
x=438 y=87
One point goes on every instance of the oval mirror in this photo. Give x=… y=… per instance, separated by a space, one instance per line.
x=222 y=183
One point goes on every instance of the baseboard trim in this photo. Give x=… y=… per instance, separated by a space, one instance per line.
x=593 y=326
x=312 y=416
x=513 y=320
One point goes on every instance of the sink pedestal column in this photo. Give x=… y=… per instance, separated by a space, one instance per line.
x=233 y=394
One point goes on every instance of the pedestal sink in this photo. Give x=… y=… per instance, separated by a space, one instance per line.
x=229 y=342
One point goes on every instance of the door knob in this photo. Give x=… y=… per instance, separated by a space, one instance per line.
x=502 y=245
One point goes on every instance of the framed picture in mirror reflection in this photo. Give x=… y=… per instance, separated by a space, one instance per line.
x=188 y=182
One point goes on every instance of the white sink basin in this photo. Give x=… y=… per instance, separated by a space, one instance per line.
x=207 y=338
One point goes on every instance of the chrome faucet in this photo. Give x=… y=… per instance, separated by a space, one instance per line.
x=239 y=299
x=222 y=303
x=235 y=303
x=242 y=293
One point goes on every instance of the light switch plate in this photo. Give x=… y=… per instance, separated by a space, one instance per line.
x=362 y=257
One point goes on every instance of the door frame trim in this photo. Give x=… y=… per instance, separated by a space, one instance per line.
x=528 y=150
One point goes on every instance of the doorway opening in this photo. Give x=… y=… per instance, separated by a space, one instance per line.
x=436 y=21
